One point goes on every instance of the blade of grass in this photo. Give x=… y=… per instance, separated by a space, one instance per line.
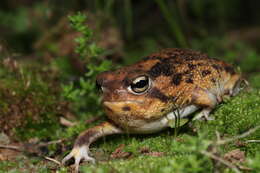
x=172 y=20
x=128 y=18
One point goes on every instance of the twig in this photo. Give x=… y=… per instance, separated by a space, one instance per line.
x=67 y=123
x=23 y=147
x=250 y=131
x=251 y=141
x=219 y=141
x=230 y=165
x=11 y=147
x=53 y=160
x=51 y=142
x=218 y=136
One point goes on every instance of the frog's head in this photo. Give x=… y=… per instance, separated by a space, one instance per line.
x=132 y=93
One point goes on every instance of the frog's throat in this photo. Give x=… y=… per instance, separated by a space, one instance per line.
x=167 y=120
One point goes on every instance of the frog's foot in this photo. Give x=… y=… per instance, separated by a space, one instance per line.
x=204 y=115
x=80 y=150
x=79 y=153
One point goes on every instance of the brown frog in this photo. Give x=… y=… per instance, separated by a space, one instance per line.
x=146 y=97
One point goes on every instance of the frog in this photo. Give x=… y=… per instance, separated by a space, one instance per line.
x=150 y=95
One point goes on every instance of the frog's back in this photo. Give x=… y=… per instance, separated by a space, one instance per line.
x=185 y=70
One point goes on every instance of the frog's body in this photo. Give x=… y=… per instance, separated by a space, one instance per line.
x=147 y=96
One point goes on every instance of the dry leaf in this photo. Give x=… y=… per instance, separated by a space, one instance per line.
x=235 y=156
x=119 y=153
x=155 y=154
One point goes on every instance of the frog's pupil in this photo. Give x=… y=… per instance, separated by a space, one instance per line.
x=141 y=83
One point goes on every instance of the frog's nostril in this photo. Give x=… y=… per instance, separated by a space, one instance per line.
x=98 y=85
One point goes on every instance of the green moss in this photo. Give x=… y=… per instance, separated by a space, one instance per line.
x=29 y=103
x=5 y=165
x=254 y=80
x=147 y=164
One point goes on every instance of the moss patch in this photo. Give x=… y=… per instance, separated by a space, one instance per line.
x=28 y=102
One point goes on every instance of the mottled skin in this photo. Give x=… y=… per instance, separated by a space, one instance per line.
x=179 y=79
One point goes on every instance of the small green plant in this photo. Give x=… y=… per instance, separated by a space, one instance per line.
x=83 y=93
x=86 y=47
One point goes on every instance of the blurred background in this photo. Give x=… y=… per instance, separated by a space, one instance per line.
x=40 y=28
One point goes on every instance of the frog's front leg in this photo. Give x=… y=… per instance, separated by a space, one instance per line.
x=206 y=100
x=80 y=150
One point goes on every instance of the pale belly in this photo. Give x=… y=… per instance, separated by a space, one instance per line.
x=165 y=121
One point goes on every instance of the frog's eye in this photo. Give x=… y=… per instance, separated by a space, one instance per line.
x=139 y=85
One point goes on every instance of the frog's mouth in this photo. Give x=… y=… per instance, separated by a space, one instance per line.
x=121 y=107
x=109 y=103
x=123 y=114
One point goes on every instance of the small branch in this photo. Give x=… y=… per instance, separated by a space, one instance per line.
x=11 y=147
x=67 y=123
x=51 y=142
x=218 y=136
x=221 y=160
x=251 y=141
x=23 y=147
x=52 y=160
x=243 y=135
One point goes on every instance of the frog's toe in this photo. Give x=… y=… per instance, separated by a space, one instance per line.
x=78 y=153
x=207 y=118
x=204 y=115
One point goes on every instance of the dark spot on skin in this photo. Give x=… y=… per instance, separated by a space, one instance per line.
x=191 y=66
x=229 y=69
x=156 y=93
x=140 y=66
x=213 y=80
x=176 y=79
x=205 y=73
x=171 y=54
x=166 y=60
x=126 y=108
x=173 y=98
x=162 y=110
x=189 y=80
x=155 y=71
x=189 y=58
x=217 y=67
x=177 y=61
x=187 y=72
x=160 y=69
